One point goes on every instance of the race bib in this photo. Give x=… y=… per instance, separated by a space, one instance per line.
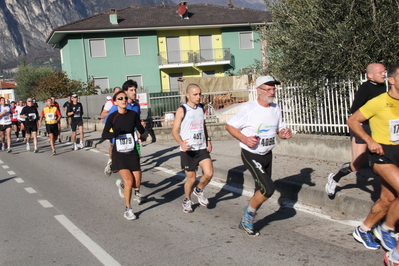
x=15 y=115
x=125 y=143
x=196 y=137
x=394 y=130
x=267 y=141
x=50 y=117
x=31 y=117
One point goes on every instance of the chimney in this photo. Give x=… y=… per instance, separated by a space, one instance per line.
x=113 y=16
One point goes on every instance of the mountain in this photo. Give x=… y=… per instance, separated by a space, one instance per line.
x=27 y=24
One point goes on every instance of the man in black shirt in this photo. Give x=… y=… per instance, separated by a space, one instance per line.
x=31 y=116
x=65 y=108
x=75 y=111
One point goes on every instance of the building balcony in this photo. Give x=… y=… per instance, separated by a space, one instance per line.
x=190 y=58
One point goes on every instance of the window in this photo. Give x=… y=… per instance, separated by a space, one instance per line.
x=61 y=56
x=246 y=40
x=97 y=48
x=173 y=80
x=138 y=79
x=102 y=82
x=131 y=46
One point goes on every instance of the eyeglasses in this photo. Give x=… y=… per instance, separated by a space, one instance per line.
x=267 y=90
x=122 y=98
x=28 y=101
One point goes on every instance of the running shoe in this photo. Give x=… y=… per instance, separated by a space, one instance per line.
x=187 y=206
x=54 y=152
x=247 y=224
x=3 y=147
x=59 y=140
x=387 y=239
x=137 y=196
x=129 y=214
x=9 y=150
x=331 y=185
x=120 y=185
x=27 y=147
x=75 y=147
x=366 y=239
x=389 y=260
x=17 y=140
x=36 y=150
x=24 y=140
x=201 y=198
x=108 y=170
x=81 y=145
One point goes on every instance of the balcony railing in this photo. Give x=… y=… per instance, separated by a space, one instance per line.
x=219 y=55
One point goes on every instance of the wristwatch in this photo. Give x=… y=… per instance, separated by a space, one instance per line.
x=208 y=139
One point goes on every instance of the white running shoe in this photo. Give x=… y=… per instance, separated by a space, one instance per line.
x=201 y=197
x=137 y=196
x=27 y=147
x=108 y=170
x=81 y=145
x=187 y=206
x=129 y=214
x=120 y=185
x=331 y=185
x=3 y=147
x=17 y=140
x=75 y=147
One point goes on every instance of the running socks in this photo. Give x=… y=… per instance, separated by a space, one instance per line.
x=198 y=190
x=364 y=229
x=251 y=210
x=343 y=171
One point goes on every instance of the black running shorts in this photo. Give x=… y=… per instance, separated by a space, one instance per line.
x=191 y=159
x=260 y=166
x=391 y=156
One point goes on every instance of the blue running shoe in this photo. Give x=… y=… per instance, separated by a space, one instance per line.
x=387 y=239
x=247 y=224
x=366 y=239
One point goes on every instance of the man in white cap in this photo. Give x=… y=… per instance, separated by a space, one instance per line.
x=256 y=126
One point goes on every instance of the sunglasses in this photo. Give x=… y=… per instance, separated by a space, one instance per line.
x=122 y=98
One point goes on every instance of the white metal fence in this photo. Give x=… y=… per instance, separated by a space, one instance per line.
x=321 y=111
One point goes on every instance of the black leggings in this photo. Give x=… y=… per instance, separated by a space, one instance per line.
x=260 y=167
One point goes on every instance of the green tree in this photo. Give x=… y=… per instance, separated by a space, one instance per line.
x=27 y=78
x=314 y=40
x=59 y=85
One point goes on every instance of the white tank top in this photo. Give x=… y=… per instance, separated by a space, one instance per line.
x=192 y=127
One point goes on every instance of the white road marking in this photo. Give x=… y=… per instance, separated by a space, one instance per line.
x=30 y=190
x=92 y=246
x=45 y=203
x=290 y=204
x=94 y=150
x=5 y=166
x=1 y=162
x=11 y=172
x=19 y=180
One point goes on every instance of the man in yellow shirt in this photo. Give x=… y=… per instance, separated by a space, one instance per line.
x=51 y=115
x=383 y=115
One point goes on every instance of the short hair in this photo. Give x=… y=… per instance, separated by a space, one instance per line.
x=192 y=85
x=392 y=71
x=129 y=83
x=116 y=95
x=116 y=89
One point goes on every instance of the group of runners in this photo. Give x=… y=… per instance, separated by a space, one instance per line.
x=24 y=117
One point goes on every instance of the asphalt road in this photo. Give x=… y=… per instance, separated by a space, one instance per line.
x=62 y=210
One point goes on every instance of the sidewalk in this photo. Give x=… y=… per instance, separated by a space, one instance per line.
x=296 y=178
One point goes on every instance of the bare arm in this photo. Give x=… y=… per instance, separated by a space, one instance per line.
x=235 y=132
x=354 y=123
x=175 y=129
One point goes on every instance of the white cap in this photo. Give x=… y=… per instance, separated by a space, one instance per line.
x=109 y=98
x=268 y=80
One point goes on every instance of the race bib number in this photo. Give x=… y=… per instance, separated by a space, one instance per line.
x=267 y=141
x=50 y=117
x=31 y=117
x=196 y=137
x=394 y=130
x=15 y=115
x=125 y=143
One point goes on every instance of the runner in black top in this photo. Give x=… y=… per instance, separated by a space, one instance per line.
x=31 y=116
x=75 y=112
x=121 y=126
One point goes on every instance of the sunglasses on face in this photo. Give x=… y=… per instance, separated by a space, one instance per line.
x=122 y=98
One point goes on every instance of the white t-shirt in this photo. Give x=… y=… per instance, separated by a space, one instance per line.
x=19 y=109
x=5 y=119
x=192 y=128
x=108 y=105
x=255 y=120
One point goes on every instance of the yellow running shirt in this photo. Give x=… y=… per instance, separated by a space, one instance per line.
x=383 y=114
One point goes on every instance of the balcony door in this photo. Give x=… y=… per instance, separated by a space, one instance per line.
x=206 y=48
x=173 y=50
